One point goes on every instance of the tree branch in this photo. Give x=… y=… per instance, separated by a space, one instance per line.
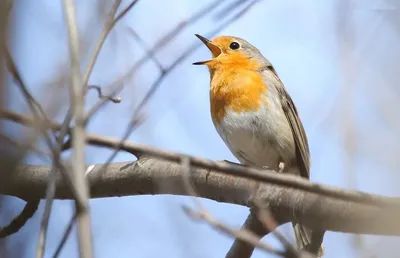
x=236 y=170
x=144 y=177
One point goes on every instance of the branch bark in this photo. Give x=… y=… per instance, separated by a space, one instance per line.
x=151 y=176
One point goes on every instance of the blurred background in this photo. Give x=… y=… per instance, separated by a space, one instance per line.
x=339 y=61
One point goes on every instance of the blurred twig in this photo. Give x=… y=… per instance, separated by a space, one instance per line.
x=244 y=235
x=110 y=23
x=20 y=220
x=40 y=123
x=229 y=9
x=65 y=236
x=159 y=45
x=101 y=96
x=34 y=105
x=149 y=51
x=77 y=93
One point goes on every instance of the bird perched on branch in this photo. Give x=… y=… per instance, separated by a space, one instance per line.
x=256 y=117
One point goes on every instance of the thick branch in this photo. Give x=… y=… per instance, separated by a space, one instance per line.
x=151 y=176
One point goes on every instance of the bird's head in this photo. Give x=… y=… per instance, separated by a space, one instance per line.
x=232 y=51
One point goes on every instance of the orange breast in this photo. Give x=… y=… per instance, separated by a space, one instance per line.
x=240 y=90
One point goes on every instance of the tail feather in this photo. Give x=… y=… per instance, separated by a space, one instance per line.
x=309 y=240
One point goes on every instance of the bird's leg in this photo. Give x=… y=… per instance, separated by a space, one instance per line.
x=281 y=167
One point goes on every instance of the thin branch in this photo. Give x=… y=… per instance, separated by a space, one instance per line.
x=148 y=51
x=159 y=45
x=125 y=11
x=241 y=234
x=229 y=8
x=183 y=24
x=65 y=236
x=101 y=96
x=20 y=220
x=37 y=112
x=77 y=93
x=39 y=127
x=35 y=107
x=110 y=24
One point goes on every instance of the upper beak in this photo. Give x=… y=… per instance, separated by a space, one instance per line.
x=215 y=50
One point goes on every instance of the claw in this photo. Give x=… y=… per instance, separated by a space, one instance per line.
x=281 y=167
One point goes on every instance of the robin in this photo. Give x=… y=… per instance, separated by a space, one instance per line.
x=256 y=117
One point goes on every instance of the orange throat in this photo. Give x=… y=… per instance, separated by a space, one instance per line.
x=236 y=89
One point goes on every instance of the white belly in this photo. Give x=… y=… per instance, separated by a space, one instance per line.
x=262 y=139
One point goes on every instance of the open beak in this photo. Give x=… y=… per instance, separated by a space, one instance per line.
x=215 y=50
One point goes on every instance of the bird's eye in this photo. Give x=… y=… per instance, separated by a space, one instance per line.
x=234 y=46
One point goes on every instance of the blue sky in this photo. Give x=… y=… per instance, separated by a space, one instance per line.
x=337 y=66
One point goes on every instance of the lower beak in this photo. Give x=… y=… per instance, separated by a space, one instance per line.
x=215 y=50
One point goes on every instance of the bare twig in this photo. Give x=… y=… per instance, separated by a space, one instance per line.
x=110 y=23
x=183 y=24
x=34 y=105
x=64 y=238
x=149 y=51
x=229 y=8
x=36 y=108
x=21 y=219
x=77 y=92
x=159 y=45
x=101 y=96
x=244 y=235
x=39 y=127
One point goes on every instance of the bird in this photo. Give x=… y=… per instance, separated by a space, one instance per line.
x=256 y=117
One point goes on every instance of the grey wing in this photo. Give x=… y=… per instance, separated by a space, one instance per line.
x=299 y=134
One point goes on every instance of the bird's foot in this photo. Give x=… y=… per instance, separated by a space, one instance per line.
x=281 y=167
